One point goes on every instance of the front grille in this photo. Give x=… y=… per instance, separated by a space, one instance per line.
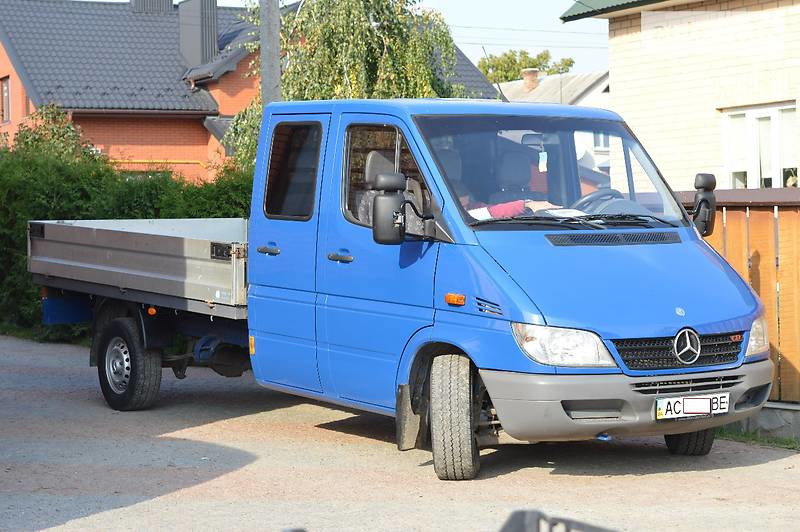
x=658 y=353
x=705 y=384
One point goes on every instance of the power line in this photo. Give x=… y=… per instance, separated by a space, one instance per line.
x=530 y=45
x=505 y=38
x=528 y=30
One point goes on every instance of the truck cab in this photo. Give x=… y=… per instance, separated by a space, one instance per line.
x=484 y=272
x=529 y=254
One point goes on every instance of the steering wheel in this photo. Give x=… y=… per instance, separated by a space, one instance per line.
x=594 y=197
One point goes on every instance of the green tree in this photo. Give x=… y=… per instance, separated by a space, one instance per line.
x=335 y=49
x=507 y=66
x=50 y=131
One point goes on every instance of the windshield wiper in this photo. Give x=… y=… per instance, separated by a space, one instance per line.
x=561 y=221
x=636 y=218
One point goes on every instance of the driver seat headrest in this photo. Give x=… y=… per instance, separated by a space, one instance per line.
x=377 y=162
x=514 y=171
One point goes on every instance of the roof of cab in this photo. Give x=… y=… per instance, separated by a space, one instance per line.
x=437 y=106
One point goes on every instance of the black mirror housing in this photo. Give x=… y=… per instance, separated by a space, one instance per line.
x=388 y=222
x=705 y=203
x=705 y=182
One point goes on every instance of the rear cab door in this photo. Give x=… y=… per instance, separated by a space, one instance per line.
x=284 y=220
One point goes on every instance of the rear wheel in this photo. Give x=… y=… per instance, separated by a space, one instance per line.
x=696 y=443
x=130 y=375
x=453 y=418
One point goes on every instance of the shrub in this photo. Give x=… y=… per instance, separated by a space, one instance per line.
x=35 y=187
x=50 y=174
x=226 y=197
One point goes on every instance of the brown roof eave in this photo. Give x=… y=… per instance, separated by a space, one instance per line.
x=141 y=112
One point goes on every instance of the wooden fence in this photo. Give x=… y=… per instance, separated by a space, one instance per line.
x=758 y=233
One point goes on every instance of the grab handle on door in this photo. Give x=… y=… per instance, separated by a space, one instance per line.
x=272 y=251
x=336 y=257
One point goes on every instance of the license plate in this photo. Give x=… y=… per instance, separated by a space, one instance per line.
x=692 y=406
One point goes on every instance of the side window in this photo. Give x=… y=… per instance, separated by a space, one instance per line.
x=292 y=173
x=372 y=150
x=5 y=100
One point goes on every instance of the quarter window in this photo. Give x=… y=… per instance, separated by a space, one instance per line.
x=372 y=150
x=292 y=173
x=5 y=100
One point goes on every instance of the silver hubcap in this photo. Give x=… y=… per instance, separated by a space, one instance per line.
x=118 y=365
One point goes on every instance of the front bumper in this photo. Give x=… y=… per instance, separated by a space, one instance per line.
x=535 y=407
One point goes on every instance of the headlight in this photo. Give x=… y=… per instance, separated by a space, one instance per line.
x=759 y=338
x=562 y=347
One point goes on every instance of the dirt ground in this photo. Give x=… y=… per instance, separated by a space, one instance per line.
x=220 y=453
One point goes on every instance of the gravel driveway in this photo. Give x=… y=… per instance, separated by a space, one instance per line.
x=220 y=453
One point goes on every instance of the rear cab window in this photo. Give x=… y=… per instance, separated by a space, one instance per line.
x=292 y=174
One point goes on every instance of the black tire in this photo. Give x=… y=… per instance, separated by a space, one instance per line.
x=130 y=375
x=452 y=411
x=696 y=443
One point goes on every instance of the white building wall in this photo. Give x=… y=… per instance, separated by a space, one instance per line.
x=596 y=98
x=675 y=72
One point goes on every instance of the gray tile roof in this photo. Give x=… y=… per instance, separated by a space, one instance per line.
x=218 y=126
x=233 y=35
x=474 y=82
x=563 y=88
x=101 y=55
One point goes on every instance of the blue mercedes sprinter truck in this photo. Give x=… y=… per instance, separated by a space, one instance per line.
x=484 y=272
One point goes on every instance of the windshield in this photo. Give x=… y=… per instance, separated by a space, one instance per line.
x=542 y=171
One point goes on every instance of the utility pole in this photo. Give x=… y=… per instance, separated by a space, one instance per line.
x=269 y=33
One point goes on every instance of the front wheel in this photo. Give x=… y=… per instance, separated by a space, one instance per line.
x=130 y=375
x=696 y=443
x=453 y=419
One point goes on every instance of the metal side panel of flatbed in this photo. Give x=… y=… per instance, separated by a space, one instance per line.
x=189 y=264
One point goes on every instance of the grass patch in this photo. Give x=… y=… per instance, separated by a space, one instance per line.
x=68 y=334
x=729 y=433
x=8 y=329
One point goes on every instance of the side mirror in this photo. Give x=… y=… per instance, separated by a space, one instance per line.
x=705 y=203
x=388 y=220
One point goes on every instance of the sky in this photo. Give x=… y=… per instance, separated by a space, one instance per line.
x=532 y=25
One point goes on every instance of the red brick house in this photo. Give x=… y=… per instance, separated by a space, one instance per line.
x=152 y=84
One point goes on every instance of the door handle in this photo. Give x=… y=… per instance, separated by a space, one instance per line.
x=336 y=257
x=272 y=251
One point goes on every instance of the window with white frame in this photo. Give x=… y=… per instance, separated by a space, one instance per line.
x=601 y=140
x=759 y=145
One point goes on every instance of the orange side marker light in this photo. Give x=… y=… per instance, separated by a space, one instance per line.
x=151 y=311
x=252 y=346
x=456 y=300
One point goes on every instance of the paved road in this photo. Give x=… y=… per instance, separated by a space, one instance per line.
x=221 y=453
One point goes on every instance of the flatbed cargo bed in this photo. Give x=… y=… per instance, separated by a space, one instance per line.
x=198 y=265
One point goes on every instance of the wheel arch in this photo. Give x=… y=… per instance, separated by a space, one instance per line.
x=421 y=348
x=412 y=398
x=104 y=310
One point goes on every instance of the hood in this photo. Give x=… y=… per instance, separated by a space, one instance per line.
x=626 y=291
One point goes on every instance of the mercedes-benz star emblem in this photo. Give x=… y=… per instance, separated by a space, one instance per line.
x=687 y=346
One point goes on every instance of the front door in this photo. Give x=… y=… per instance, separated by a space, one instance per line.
x=373 y=297
x=282 y=251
